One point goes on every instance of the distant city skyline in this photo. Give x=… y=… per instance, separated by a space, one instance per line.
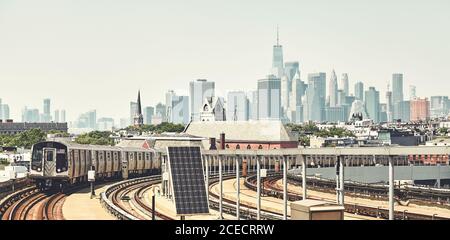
x=49 y=51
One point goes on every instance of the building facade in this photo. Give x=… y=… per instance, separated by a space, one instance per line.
x=237 y=106
x=269 y=98
x=148 y=115
x=359 y=91
x=420 y=109
x=315 y=97
x=333 y=90
x=177 y=108
x=373 y=104
x=199 y=90
x=11 y=128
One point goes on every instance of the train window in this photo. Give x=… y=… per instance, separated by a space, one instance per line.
x=49 y=156
x=37 y=155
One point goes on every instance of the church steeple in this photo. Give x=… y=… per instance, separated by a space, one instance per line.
x=138 y=117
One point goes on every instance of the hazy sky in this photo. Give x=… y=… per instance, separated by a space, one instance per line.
x=87 y=54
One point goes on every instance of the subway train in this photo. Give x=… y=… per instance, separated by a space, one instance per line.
x=59 y=164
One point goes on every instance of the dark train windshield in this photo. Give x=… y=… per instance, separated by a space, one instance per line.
x=37 y=155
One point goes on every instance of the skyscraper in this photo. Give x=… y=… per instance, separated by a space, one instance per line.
x=133 y=109
x=199 y=91
x=148 y=114
x=277 y=59
x=315 y=97
x=439 y=106
x=420 y=109
x=177 y=108
x=160 y=112
x=4 y=112
x=46 y=115
x=359 y=91
x=389 y=106
x=269 y=98
x=87 y=120
x=344 y=84
x=237 y=106
x=333 y=89
x=298 y=91
x=105 y=124
x=292 y=71
x=56 y=119
x=373 y=104
x=30 y=115
x=92 y=116
x=397 y=88
x=412 y=92
x=253 y=105
x=63 y=116
x=402 y=111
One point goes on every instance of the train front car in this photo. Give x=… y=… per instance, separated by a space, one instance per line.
x=49 y=164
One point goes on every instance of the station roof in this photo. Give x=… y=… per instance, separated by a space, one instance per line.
x=268 y=131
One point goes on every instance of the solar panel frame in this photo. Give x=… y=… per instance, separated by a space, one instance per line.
x=187 y=180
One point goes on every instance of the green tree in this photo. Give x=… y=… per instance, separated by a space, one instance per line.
x=160 y=128
x=24 y=139
x=95 y=138
x=64 y=134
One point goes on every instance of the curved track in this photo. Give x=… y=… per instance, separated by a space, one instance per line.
x=32 y=204
x=272 y=190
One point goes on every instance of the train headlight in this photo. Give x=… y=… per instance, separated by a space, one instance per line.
x=58 y=170
x=39 y=169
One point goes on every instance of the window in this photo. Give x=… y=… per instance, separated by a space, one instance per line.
x=249 y=147
x=227 y=146
x=238 y=147
x=49 y=156
x=260 y=147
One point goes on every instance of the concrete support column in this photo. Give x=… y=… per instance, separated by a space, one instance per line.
x=341 y=178
x=438 y=180
x=391 y=188
x=258 y=188
x=207 y=178
x=304 y=177
x=238 y=189
x=221 y=189
x=337 y=164
x=285 y=167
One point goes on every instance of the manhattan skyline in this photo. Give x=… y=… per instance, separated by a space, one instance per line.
x=70 y=52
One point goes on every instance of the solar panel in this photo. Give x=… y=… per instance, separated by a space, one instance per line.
x=188 y=181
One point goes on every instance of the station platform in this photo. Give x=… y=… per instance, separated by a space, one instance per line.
x=80 y=206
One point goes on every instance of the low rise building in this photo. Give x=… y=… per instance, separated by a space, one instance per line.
x=263 y=134
x=11 y=128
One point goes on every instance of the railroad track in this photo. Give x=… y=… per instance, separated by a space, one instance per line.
x=377 y=212
x=32 y=204
x=111 y=199
x=422 y=195
x=247 y=212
